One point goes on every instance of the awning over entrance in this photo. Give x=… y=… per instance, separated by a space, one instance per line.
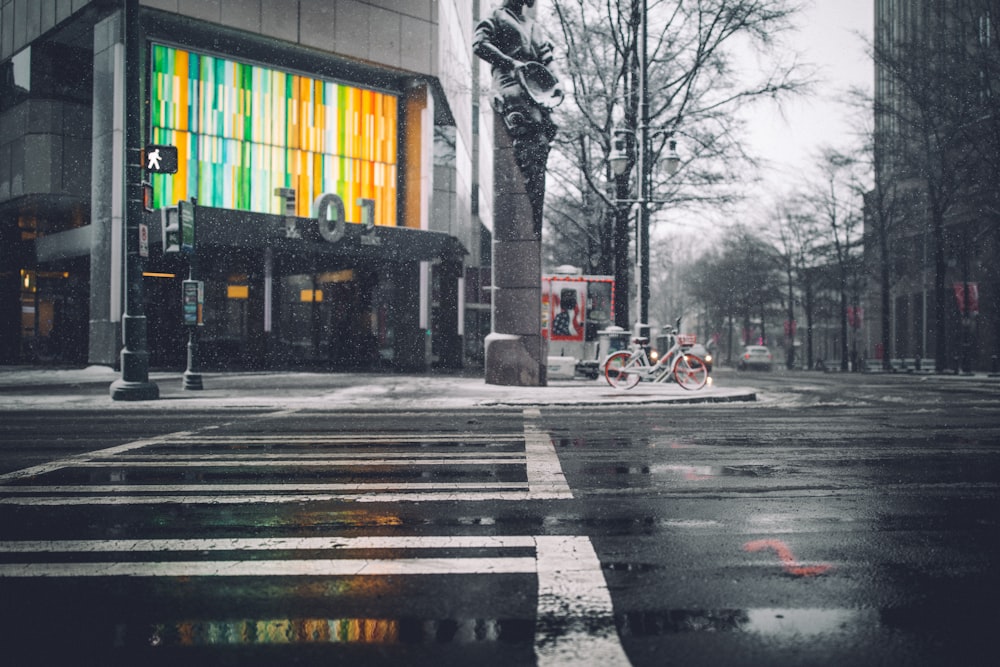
x=223 y=228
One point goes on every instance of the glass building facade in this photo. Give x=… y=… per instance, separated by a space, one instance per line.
x=269 y=107
x=244 y=130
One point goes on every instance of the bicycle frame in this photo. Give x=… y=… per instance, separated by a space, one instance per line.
x=625 y=369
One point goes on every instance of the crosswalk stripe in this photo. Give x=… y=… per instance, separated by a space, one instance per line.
x=275 y=568
x=272 y=544
x=243 y=456
x=544 y=471
x=544 y=475
x=478 y=439
x=361 y=496
x=572 y=593
x=296 y=463
x=51 y=466
x=261 y=488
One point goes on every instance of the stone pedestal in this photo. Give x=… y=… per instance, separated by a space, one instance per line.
x=515 y=350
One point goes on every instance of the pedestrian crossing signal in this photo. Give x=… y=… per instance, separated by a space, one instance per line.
x=147 y=197
x=158 y=159
x=171 y=229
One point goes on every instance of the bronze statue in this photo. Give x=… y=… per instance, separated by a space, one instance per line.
x=525 y=90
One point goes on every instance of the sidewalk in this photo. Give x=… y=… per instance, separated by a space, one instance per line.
x=89 y=388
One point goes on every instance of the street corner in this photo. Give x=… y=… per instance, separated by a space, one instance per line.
x=599 y=393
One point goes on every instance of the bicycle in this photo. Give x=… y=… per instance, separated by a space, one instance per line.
x=626 y=368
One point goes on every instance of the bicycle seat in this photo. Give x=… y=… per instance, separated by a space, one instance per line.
x=640 y=341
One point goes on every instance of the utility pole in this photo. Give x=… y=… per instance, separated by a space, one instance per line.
x=645 y=169
x=134 y=384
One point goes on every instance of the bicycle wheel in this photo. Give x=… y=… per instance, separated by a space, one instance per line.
x=690 y=371
x=617 y=373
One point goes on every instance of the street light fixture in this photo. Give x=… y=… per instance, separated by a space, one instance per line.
x=621 y=159
x=673 y=160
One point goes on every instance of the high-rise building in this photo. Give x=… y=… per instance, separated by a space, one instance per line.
x=278 y=110
x=934 y=214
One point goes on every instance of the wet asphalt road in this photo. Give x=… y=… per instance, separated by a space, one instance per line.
x=839 y=520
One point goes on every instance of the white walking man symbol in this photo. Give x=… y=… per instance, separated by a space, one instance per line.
x=153 y=162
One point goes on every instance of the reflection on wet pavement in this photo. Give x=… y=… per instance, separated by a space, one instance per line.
x=688 y=472
x=770 y=622
x=343 y=630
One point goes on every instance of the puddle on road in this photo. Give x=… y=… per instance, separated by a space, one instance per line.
x=770 y=622
x=689 y=472
x=631 y=567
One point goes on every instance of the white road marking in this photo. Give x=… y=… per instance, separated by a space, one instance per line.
x=360 y=497
x=73 y=460
x=545 y=475
x=272 y=544
x=363 y=439
x=340 y=567
x=297 y=463
x=545 y=480
x=355 y=487
x=573 y=598
x=43 y=468
x=243 y=456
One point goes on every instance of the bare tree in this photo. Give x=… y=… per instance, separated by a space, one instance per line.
x=886 y=203
x=739 y=283
x=693 y=93
x=795 y=238
x=837 y=207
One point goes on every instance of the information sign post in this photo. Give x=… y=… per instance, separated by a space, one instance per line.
x=193 y=293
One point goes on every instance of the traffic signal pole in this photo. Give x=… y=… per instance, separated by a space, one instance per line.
x=134 y=383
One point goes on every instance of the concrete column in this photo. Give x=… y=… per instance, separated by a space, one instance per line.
x=106 y=192
x=515 y=350
x=255 y=345
x=10 y=300
x=409 y=338
x=447 y=342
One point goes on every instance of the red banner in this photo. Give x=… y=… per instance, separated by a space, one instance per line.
x=971 y=298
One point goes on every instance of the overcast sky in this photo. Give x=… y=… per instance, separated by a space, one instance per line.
x=827 y=40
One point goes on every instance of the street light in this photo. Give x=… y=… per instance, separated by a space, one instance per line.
x=621 y=157
x=621 y=160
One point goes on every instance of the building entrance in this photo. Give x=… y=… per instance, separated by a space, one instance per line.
x=276 y=308
x=335 y=318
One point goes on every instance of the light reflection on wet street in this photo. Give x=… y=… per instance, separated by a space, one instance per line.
x=799 y=530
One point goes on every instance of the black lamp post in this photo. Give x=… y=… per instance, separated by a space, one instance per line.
x=134 y=383
x=621 y=160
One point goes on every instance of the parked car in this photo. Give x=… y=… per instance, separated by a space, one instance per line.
x=755 y=356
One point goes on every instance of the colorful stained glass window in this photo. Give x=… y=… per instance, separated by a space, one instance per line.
x=243 y=130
